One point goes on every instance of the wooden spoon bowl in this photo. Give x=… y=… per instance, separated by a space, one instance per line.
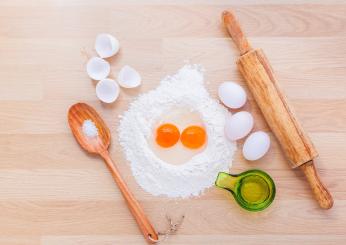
x=77 y=114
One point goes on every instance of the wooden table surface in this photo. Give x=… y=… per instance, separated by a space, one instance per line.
x=52 y=193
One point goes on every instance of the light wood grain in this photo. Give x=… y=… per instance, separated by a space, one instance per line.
x=54 y=193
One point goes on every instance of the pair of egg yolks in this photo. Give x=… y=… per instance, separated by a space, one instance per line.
x=192 y=137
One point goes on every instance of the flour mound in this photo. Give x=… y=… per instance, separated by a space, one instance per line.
x=184 y=89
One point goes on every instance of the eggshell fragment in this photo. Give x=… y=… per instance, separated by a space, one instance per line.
x=106 y=45
x=232 y=95
x=256 y=145
x=98 y=68
x=128 y=77
x=107 y=90
x=238 y=125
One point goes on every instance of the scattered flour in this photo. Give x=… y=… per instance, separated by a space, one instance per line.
x=153 y=174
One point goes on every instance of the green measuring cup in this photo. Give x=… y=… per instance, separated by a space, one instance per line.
x=254 y=190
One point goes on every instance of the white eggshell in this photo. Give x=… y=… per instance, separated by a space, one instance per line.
x=256 y=145
x=232 y=95
x=238 y=125
x=128 y=77
x=98 y=68
x=107 y=90
x=106 y=45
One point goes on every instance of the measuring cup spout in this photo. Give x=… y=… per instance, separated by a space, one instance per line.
x=226 y=181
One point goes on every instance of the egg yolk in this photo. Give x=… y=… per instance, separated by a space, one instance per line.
x=167 y=135
x=193 y=137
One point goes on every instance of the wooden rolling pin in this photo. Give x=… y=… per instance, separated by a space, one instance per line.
x=261 y=81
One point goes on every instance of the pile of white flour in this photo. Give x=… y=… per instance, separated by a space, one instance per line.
x=185 y=89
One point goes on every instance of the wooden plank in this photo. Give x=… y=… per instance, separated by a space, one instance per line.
x=175 y=21
x=30 y=86
x=204 y=21
x=94 y=184
x=20 y=240
x=50 y=117
x=60 y=151
x=198 y=239
x=159 y=2
x=112 y=217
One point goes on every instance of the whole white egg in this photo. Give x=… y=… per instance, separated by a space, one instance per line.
x=232 y=95
x=238 y=125
x=256 y=145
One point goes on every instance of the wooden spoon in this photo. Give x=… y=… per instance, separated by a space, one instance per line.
x=99 y=145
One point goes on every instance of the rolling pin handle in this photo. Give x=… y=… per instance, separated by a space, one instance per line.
x=235 y=31
x=322 y=195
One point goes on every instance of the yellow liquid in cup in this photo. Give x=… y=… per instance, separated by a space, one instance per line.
x=254 y=189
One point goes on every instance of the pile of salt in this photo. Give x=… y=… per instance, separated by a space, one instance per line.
x=89 y=128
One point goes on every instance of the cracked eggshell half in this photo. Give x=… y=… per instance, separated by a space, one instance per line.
x=106 y=45
x=128 y=77
x=98 y=68
x=107 y=90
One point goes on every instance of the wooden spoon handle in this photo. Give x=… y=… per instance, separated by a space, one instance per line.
x=143 y=222
x=235 y=31
x=322 y=195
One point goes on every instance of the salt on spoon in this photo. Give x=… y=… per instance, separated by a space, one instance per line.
x=107 y=90
x=106 y=45
x=98 y=68
x=89 y=128
x=128 y=77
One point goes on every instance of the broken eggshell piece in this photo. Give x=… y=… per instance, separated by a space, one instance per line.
x=128 y=77
x=107 y=90
x=106 y=45
x=98 y=68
